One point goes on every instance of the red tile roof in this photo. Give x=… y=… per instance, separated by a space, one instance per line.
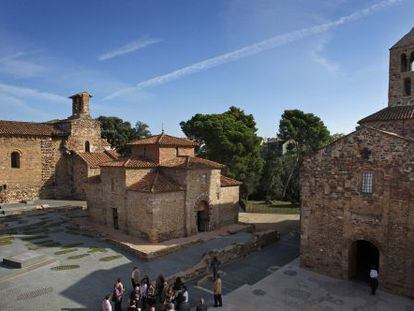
x=129 y=163
x=229 y=182
x=187 y=162
x=95 y=159
x=391 y=113
x=11 y=128
x=155 y=182
x=165 y=140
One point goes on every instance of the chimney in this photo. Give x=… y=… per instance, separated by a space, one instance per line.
x=80 y=105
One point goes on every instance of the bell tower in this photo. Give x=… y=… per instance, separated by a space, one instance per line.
x=401 y=72
x=80 y=105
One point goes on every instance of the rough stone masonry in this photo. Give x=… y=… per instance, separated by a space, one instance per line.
x=358 y=192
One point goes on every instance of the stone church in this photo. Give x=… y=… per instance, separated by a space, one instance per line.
x=358 y=192
x=51 y=160
x=162 y=191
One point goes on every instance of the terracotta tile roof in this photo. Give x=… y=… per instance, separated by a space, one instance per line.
x=112 y=153
x=155 y=182
x=29 y=129
x=105 y=143
x=93 y=179
x=95 y=159
x=129 y=163
x=165 y=140
x=391 y=113
x=229 y=182
x=187 y=162
x=408 y=39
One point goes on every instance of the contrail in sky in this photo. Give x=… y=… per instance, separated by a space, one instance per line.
x=129 y=48
x=255 y=48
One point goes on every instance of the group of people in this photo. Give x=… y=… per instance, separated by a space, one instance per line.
x=147 y=296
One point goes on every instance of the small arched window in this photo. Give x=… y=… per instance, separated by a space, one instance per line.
x=15 y=159
x=407 y=87
x=87 y=146
x=404 y=62
x=411 y=65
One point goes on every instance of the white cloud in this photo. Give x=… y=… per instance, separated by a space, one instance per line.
x=254 y=49
x=23 y=107
x=318 y=57
x=14 y=65
x=28 y=93
x=129 y=48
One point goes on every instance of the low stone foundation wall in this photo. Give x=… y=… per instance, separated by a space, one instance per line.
x=228 y=254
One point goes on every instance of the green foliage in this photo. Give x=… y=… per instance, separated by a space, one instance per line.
x=6 y=240
x=97 y=250
x=307 y=133
x=229 y=138
x=110 y=258
x=119 y=132
x=272 y=207
x=66 y=251
x=77 y=256
x=307 y=130
x=65 y=267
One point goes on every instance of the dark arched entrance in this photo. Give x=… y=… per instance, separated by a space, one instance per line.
x=203 y=216
x=363 y=256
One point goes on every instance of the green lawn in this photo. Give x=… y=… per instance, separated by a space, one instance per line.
x=276 y=207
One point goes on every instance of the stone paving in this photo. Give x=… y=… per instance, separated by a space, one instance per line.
x=85 y=268
x=292 y=289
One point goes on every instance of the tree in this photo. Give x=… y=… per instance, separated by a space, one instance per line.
x=229 y=138
x=307 y=132
x=119 y=132
x=141 y=130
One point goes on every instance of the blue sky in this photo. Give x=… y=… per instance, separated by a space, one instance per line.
x=161 y=62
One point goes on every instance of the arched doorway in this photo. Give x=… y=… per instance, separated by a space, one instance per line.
x=363 y=256
x=203 y=216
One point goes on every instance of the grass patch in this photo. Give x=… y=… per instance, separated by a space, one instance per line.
x=110 y=258
x=35 y=231
x=77 y=256
x=35 y=237
x=66 y=251
x=275 y=207
x=6 y=240
x=65 y=267
x=97 y=250
x=72 y=245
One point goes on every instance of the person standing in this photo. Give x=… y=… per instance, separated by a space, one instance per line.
x=215 y=266
x=217 y=290
x=373 y=280
x=201 y=305
x=118 y=293
x=135 y=277
x=106 y=304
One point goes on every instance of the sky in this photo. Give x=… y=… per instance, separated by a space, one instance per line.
x=161 y=62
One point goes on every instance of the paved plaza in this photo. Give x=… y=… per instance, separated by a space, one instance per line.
x=295 y=289
x=85 y=267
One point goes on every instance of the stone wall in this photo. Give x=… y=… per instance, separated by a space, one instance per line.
x=396 y=94
x=82 y=130
x=43 y=171
x=157 y=217
x=335 y=213
x=81 y=171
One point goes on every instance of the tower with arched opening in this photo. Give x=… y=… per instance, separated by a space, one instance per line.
x=356 y=193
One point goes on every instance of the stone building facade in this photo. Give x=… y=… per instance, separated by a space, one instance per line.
x=162 y=191
x=358 y=192
x=51 y=159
